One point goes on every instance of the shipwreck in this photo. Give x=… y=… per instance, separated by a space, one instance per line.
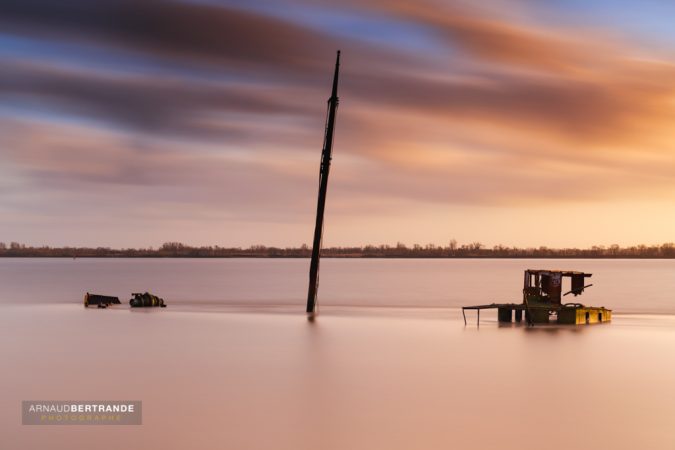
x=146 y=300
x=542 y=301
x=102 y=301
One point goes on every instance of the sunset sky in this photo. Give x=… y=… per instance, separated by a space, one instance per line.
x=516 y=122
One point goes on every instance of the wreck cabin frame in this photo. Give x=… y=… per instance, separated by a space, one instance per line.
x=542 y=300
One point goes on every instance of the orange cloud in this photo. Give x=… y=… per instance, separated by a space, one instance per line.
x=504 y=113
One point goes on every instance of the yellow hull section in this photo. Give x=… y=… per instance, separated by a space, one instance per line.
x=593 y=315
x=584 y=315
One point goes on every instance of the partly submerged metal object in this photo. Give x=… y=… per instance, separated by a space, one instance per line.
x=102 y=301
x=542 y=301
x=146 y=300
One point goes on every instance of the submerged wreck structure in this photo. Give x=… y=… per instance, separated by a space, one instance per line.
x=140 y=300
x=102 y=301
x=542 y=301
x=146 y=300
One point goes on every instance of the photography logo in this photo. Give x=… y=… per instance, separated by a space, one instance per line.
x=79 y=412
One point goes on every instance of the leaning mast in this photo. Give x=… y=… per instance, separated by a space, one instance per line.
x=323 y=187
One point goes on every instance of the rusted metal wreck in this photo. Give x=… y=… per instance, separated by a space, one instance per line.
x=146 y=300
x=102 y=301
x=542 y=301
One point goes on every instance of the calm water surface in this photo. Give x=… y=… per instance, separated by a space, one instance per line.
x=233 y=363
x=643 y=286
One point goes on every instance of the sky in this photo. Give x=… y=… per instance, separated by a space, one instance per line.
x=515 y=122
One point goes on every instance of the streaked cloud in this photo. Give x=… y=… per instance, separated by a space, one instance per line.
x=207 y=107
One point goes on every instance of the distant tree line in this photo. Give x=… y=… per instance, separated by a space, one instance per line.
x=452 y=250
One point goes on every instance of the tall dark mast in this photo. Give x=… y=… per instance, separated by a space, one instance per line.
x=323 y=187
